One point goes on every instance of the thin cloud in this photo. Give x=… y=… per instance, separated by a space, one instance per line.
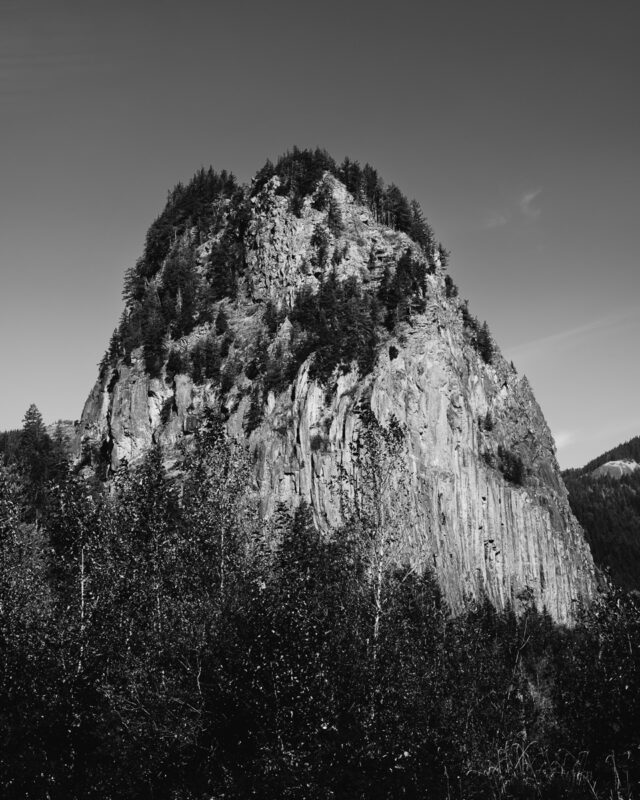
x=495 y=220
x=527 y=207
x=564 y=438
x=567 y=338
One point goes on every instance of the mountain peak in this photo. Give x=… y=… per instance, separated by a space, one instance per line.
x=298 y=304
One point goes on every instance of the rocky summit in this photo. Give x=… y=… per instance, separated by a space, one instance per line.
x=616 y=469
x=307 y=308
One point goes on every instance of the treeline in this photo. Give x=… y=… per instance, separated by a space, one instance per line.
x=159 y=641
x=171 y=307
x=626 y=451
x=200 y=203
x=608 y=509
x=301 y=170
x=159 y=310
x=37 y=458
x=173 y=289
x=339 y=324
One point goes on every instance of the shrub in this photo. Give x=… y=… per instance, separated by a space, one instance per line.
x=511 y=466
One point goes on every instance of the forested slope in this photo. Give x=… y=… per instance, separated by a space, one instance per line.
x=608 y=508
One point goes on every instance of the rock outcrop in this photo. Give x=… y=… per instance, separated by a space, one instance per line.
x=476 y=491
x=616 y=469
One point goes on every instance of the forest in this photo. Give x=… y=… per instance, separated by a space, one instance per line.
x=159 y=639
x=609 y=511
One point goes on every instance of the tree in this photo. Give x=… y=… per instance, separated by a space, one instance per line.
x=35 y=459
x=112 y=353
x=484 y=343
x=28 y=675
x=397 y=209
x=419 y=229
x=153 y=331
x=377 y=522
x=373 y=190
x=511 y=465
x=335 y=223
x=34 y=433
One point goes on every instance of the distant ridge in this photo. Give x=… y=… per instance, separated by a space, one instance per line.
x=605 y=497
x=627 y=451
x=616 y=469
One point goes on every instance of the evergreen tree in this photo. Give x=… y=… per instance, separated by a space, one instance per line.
x=484 y=343
x=153 y=330
x=177 y=363
x=35 y=459
x=397 y=211
x=373 y=190
x=113 y=352
x=451 y=290
x=419 y=230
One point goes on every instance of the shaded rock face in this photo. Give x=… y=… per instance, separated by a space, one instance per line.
x=457 y=513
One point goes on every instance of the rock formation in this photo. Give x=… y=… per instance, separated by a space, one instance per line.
x=476 y=492
x=616 y=469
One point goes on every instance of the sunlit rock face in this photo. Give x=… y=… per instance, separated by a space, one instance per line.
x=457 y=510
x=616 y=469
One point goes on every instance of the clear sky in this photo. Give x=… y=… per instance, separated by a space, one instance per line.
x=516 y=124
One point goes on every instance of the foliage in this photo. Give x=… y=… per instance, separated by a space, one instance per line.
x=337 y=324
x=206 y=360
x=177 y=363
x=165 y=293
x=254 y=414
x=300 y=173
x=176 y=285
x=196 y=204
x=478 y=335
x=629 y=450
x=511 y=465
x=484 y=343
x=487 y=422
x=451 y=290
x=37 y=458
x=158 y=641
x=403 y=294
x=387 y=204
x=9 y=446
x=608 y=509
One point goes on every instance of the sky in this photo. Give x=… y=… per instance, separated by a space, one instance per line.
x=514 y=123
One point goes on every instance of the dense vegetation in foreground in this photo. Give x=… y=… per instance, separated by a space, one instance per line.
x=159 y=641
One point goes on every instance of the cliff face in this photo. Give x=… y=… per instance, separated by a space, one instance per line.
x=475 y=493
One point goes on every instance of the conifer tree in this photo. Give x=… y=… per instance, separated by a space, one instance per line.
x=484 y=343
x=35 y=458
x=153 y=327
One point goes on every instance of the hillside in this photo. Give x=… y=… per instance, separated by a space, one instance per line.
x=605 y=497
x=627 y=451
